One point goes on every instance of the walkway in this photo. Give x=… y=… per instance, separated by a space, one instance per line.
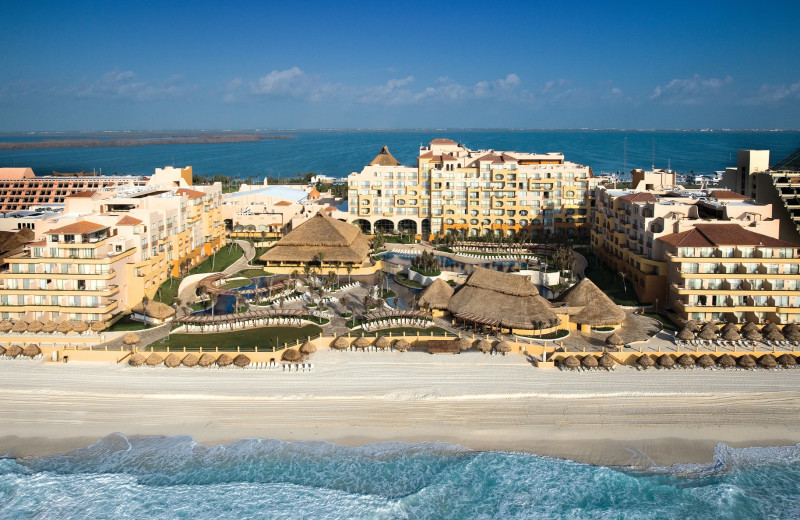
x=188 y=288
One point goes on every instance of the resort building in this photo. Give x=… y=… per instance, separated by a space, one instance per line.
x=453 y=189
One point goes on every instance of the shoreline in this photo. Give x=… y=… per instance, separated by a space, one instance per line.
x=622 y=418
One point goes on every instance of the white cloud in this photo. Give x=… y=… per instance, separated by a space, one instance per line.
x=689 y=91
x=774 y=93
x=123 y=85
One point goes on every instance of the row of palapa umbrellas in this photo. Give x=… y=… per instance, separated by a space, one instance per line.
x=730 y=332
x=223 y=360
x=31 y=350
x=646 y=361
x=382 y=343
x=65 y=327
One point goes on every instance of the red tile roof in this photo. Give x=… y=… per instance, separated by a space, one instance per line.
x=128 y=220
x=712 y=235
x=283 y=203
x=727 y=195
x=78 y=228
x=83 y=194
x=443 y=141
x=642 y=196
x=192 y=194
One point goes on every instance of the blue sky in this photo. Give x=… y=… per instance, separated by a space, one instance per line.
x=278 y=65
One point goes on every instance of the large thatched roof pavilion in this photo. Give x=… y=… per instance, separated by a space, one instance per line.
x=152 y=312
x=335 y=240
x=502 y=300
x=436 y=296
x=588 y=306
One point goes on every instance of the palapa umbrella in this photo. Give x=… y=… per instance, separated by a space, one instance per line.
x=685 y=360
x=361 y=342
x=308 y=348
x=35 y=326
x=340 y=343
x=728 y=326
x=401 y=345
x=767 y=361
x=503 y=347
x=707 y=334
x=484 y=346
x=792 y=335
x=154 y=359
x=241 y=361
x=685 y=334
x=731 y=335
x=291 y=355
x=785 y=360
x=172 y=361
x=383 y=343
x=645 y=361
x=589 y=361
x=705 y=361
x=2 y=351
x=606 y=361
x=726 y=361
x=99 y=326
x=614 y=340
x=64 y=326
x=49 y=326
x=692 y=326
x=190 y=360
x=774 y=335
x=769 y=327
x=131 y=338
x=20 y=326
x=136 y=360
x=13 y=351
x=80 y=326
x=206 y=360
x=666 y=361
x=31 y=350
x=6 y=326
x=790 y=327
x=224 y=360
x=571 y=363
x=752 y=335
x=464 y=344
x=711 y=326
x=746 y=361
x=749 y=326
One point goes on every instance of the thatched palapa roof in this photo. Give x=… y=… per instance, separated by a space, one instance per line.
x=786 y=360
x=597 y=309
x=436 y=296
x=666 y=361
x=291 y=355
x=384 y=158
x=571 y=362
x=308 y=348
x=767 y=361
x=401 y=345
x=206 y=360
x=336 y=240
x=13 y=351
x=241 y=361
x=340 y=343
x=685 y=360
x=383 y=343
x=136 y=360
x=131 y=338
x=589 y=361
x=606 y=361
x=31 y=350
x=746 y=361
x=509 y=299
x=154 y=309
x=154 y=359
x=190 y=360
x=172 y=361
x=484 y=346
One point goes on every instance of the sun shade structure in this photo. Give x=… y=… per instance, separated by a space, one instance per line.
x=64 y=326
x=614 y=340
x=241 y=361
x=769 y=327
x=136 y=360
x=510 y=300
x=767 y=361
x=686 y=361
x=224 y=360
x=49 y=326
x=131 y=338
x=401 y=345
x=80 y=326
x=206 y=360
x=685 y=334
x=340 y=343
x=6 y=326
x=785 y=360
x=726 y=361
x=20 y=326
x=707 y=334
x=31 y=350
x=153 y=309
x=645 y=361
x=484 y=346
x=606 y=361
x=666 y=361
x=35 y=326
x=362 y=342
x=597 y=309
x=383 y=343
x=443 y=346
x=337 y=241
x=13 y=351
x=750 y=326
x=154 y=359
x=589 y=361
x=571 y=362
x=436 y=296
x=172 y=361
x=705 y=361
x=291 y=355
x=746 y=361
x=504 y=347
x=99 y=326
x=308 y=348
x=731 y=335
x=692 y=326
x=190 y=360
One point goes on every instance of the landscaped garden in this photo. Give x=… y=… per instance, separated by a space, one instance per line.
x=213 y=264
x=616 y=285
x=247 y=339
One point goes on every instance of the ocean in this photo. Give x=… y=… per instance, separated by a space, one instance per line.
x=174 y=477
x=338 y=153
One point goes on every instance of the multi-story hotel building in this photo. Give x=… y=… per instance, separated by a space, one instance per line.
x=473 y=193
x=108 y=249
x=702 y=254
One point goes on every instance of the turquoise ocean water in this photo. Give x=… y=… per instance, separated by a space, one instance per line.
x=338 y=153
x=174 y=477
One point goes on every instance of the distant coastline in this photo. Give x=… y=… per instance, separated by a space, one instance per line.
x=93 y=143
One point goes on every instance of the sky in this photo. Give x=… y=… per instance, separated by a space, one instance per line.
x=305 y=65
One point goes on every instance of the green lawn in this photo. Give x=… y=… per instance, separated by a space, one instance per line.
x=253 y=273
x=125 y=324
x=619 y=290
x=233 y=284
x=666 y=322
x=223 y=259
x=263 y=338
x=410 y=331
x=402 y=280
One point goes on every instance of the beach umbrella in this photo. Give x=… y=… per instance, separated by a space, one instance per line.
x=484 y=346
x=241 y=361
x=308 y=348
x=685 y=360
x=749 y=326
x=746 y=361
x=190 y=360
x=790 y=327
x=6 y=326
x=13 y=351
x=786 y=360
x=752 y=335
x=767 y=361
x=589 y=361
x=131 y=338
x=774 y=335
x=571 y=362
x=685 y=334
x=340 y=343
x=666 y=361
x=615 y=340
x=31 y=350
x=692 y=326
x=728 y=326
x=401 y=345
x=206 y=360
x=64 y=327
x=645 y=361
x=361 y=342
x=35 y=326
x=224 y=360
x=705 y=361
x=154 y=359
x=20 y=326
x=707 y=334
x=136 y=360
x=731 y=335
x=49 y=326
x=792 y=335
x=464 y=344
x=172 y=361
x=99 y=326
x=769 y=327
x=503 y=347
x=726 y=361
x=711 y=326
x=383 y=343
x=291 y=355
x=606 y=361
x=80 y=326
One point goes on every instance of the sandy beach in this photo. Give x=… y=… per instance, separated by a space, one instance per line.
x=625 y=417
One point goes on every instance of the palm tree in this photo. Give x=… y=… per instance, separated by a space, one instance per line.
x=623 y=275
x=213 y=297
x=349 y=269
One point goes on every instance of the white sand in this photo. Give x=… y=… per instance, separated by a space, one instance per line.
x=480 y=401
